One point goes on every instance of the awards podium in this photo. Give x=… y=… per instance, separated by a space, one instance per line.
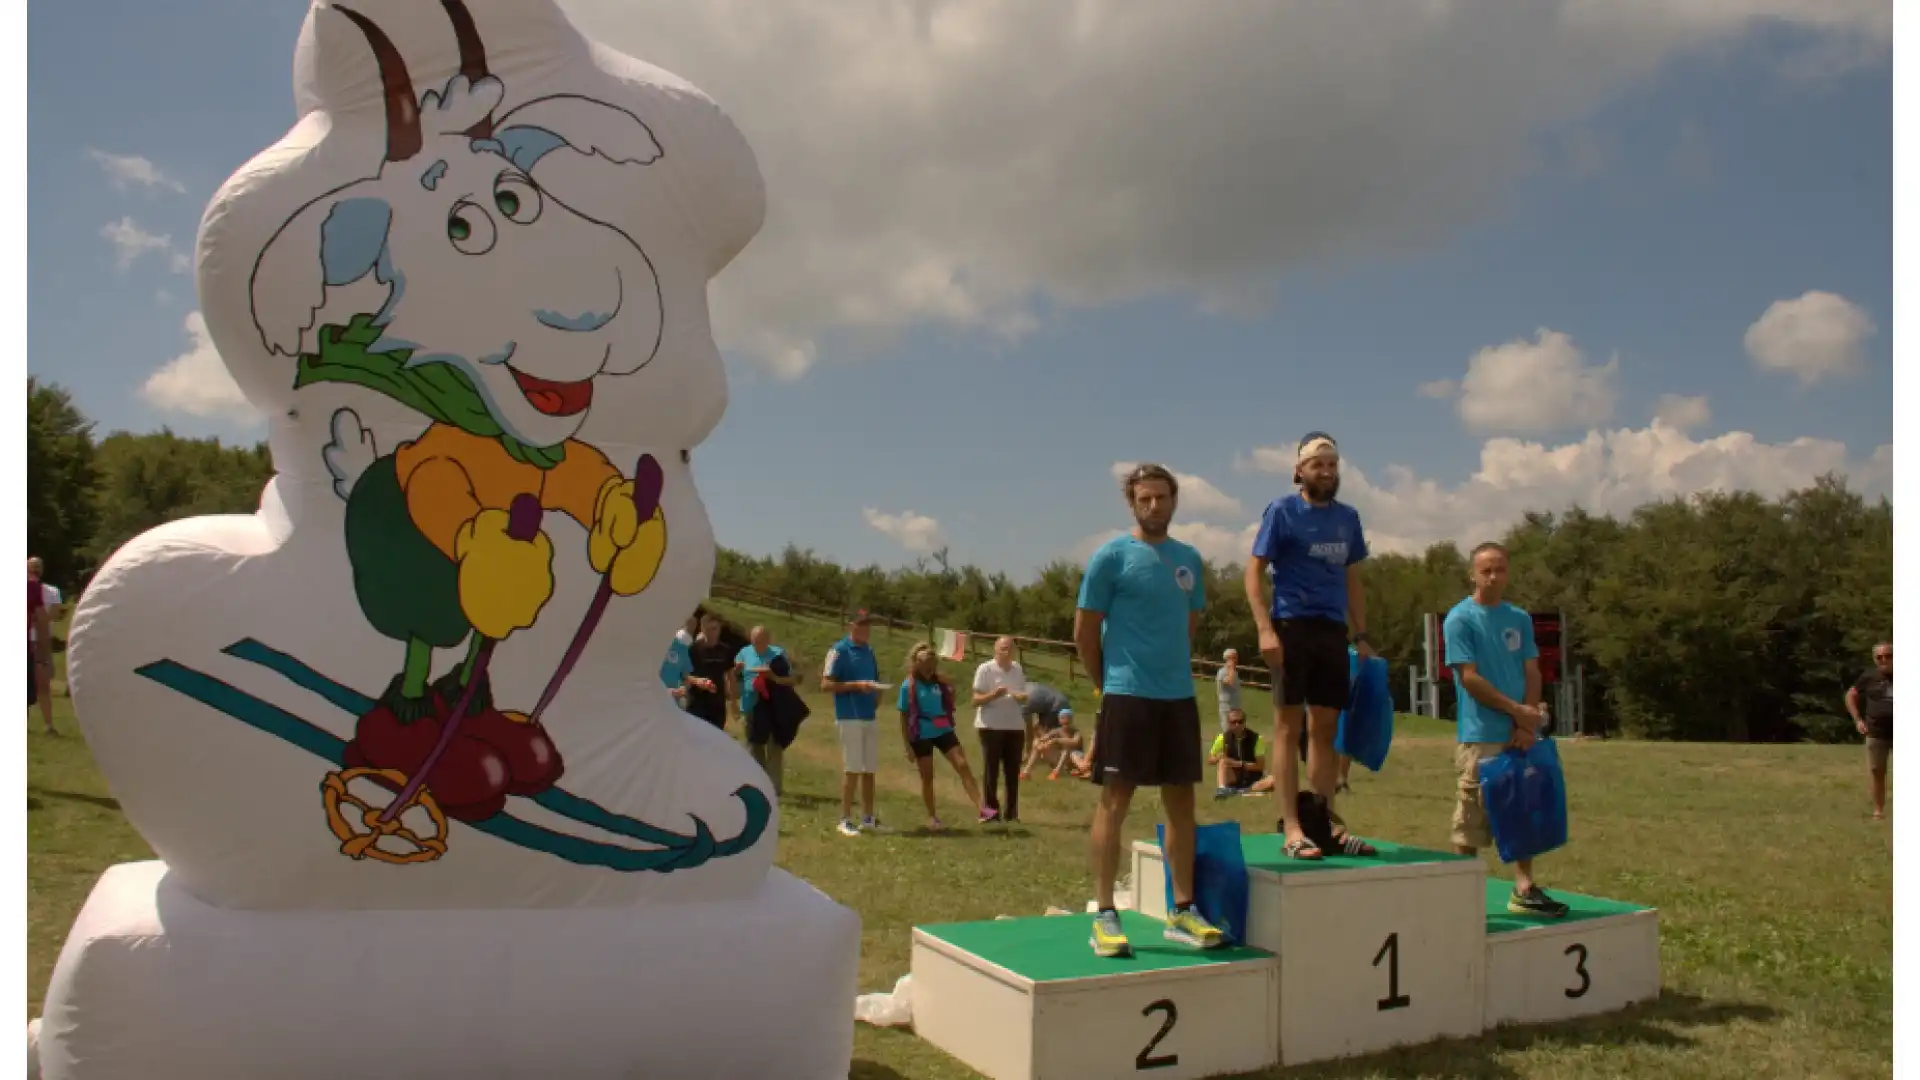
x=1344 y=957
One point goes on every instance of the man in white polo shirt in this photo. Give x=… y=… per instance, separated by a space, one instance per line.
x=999 y=689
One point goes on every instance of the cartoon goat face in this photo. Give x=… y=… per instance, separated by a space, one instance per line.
x=486 y=270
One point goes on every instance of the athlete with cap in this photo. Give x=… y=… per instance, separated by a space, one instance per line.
x=1312 y=545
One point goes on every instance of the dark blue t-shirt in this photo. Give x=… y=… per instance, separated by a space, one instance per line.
x=1308 y=549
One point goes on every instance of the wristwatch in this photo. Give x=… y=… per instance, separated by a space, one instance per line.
x=1361 y=638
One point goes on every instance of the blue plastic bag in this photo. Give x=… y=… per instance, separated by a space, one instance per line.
x=1366 y=727
x=1219 y=876
x=1525 y=795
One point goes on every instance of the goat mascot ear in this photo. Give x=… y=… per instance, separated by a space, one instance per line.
x=396 y=708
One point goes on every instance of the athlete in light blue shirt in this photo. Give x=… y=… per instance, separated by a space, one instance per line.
x=1140 y=603
x=852 y=676
x=675 y=669
x=1490 y=647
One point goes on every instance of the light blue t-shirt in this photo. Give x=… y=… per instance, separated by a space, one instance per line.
x=1144 y=591
x=1498 y=642
x=677 y=666
x=934 y=722
x=753 y=660
x=851 y=662
x=1308 y=549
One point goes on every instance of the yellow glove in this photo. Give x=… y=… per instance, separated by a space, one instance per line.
x=622 y=546
x=503 y=582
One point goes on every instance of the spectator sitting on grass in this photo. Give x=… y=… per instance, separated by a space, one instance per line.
x=1239 y=757
x=1062 y=745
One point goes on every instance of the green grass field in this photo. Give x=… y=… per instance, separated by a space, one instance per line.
x=1774 y=886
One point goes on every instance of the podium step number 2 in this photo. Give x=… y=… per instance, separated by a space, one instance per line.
x=1026 y=999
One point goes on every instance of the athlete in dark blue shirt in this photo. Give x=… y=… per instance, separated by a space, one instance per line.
x=1312 y=545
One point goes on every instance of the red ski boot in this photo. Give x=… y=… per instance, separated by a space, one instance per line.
x=469 y=782
x=533 y=762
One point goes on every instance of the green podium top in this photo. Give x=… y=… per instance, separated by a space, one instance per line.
x=1047 y=948
x=1267 y=851
x=1579 y=909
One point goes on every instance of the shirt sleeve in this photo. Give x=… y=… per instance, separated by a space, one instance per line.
x=833 y=662
x=1273 y=531
x=1357 y=551
x=1458 y=633
x=982 y=682
x=1259 y=746
x=1197 y=599
x=1528 y=650
x=1219 y=745
x=906 y=687
x=1096 y=586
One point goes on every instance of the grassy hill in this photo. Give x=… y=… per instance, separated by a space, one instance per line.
x=1775 y=889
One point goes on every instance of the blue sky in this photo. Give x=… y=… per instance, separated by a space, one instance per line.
x=1653 y=213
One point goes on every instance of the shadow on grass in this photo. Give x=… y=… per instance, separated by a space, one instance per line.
x=102 y=801
x=873 y=1070
x=796 y=799
x=1661 y=1023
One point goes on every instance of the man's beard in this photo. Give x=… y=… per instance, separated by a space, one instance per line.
x=1151 y=528
x=1322 y=490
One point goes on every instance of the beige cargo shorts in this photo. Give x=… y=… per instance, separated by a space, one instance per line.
x=1470 y=829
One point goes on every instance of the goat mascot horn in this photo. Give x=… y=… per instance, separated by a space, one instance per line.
x=403 y=109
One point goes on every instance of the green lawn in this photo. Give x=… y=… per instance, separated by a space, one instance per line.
x=1775 y=888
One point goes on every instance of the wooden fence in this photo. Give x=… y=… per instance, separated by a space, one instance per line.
x=979 y=643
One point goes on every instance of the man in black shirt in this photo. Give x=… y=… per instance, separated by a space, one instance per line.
x=1870 y=702
x=712 y=662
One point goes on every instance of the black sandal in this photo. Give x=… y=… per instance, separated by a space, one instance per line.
x=1349 y=844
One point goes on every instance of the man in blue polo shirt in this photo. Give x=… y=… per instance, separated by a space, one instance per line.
x=1313 y=546
x=1496 y=665
x=850 y=676
x=1140 y=603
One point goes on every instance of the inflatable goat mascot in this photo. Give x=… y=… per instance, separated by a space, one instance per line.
x=417 y=796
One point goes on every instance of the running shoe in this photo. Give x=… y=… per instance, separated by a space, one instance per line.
x=1535 y=901
x=988 y=813
x=847 y=827
x=870 y=824
x=1189 y=927
x=1108 y=939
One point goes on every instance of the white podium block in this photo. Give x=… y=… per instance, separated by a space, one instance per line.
x=1375 y=952
x=1605 y=955
x=1026 y=999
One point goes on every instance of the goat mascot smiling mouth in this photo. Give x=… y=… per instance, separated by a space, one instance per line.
x=443 y=531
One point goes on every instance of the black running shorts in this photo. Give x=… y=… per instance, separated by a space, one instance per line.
x=1315 y=660
x=1147 y=742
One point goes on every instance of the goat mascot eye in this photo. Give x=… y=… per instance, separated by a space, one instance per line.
x=517 y=198
x=470 y=228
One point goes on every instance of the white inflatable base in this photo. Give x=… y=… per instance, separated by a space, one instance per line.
x=153 y=983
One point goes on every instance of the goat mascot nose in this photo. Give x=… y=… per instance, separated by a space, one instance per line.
x=413 y=811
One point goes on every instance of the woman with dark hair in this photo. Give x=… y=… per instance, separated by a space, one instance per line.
x=926 y=723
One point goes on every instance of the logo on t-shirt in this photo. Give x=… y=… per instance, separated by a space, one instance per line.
x=1512 y=637
x=1332 y=551
x=1183 y=577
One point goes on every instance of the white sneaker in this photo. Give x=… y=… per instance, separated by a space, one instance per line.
x=847 y=828
x=871 y=824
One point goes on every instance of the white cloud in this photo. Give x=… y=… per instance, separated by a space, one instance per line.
x=1682 y=413
x=130 y=242
x=180 y=263
x=1198 y=497
x=967 y=164
x=126 y=170
x=1439 y=389
x=1813 y=336
x=1537 y=386
x=1607 y=472
x=196 y=382
x=915 y=532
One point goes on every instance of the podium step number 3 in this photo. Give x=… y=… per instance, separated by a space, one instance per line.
x=1604 y=956
x=1026 y=999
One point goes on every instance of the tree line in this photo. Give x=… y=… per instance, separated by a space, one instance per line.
x=1723 y=616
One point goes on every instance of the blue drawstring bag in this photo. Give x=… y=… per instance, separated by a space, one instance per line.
x=1366 y=727
x=1525 y=795
x=1219 y=876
